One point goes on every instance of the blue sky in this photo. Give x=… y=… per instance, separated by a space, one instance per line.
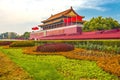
x=21 y=15
x=109 y=10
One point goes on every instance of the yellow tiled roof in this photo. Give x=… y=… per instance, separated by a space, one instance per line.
x=51 y=22
x=64 y=13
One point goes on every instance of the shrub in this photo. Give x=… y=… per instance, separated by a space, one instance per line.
x=22 y=44
x=83 y=42
x=55 y=47
x=3 y=43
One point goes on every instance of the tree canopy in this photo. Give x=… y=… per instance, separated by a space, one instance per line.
x=9 y=35
x=13 y=35
x=100 y=23
x=26 y=35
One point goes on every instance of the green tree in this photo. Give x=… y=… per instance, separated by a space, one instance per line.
x=26 y=35
x=100 y=23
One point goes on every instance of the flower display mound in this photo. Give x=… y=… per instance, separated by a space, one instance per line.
x=55 y=47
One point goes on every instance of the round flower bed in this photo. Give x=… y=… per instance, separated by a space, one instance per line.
x=55 y=47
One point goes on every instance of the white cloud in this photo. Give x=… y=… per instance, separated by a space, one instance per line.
x=16 y=15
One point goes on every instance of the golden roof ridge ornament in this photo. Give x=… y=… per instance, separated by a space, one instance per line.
x=71 y=7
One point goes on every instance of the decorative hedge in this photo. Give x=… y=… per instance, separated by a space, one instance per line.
x=22 y=44
x=3 y=43
x=112 y=46
x=76 y=42
x=55 y=47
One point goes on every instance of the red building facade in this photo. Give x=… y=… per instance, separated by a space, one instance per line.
x=67 y=22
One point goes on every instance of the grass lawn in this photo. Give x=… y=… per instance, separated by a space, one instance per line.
x=10 y=71
x=54 y=67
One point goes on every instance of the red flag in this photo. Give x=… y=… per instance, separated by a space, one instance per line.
x=35 y=28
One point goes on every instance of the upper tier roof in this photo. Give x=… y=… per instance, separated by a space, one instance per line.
x=64 y=13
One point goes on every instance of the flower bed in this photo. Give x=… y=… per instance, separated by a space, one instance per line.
x=108 y=62
x=111 y=64
x=55 y=47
